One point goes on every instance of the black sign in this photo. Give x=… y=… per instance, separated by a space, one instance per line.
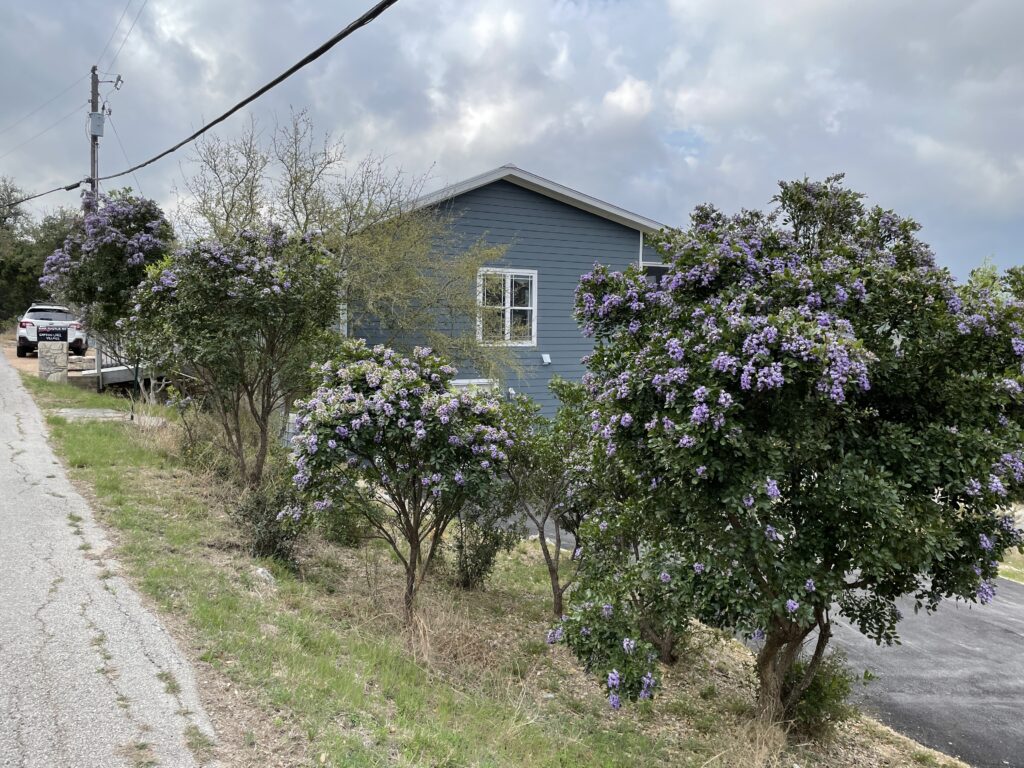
x=51 y=333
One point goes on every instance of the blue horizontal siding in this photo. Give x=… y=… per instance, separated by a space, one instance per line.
x=561 y=243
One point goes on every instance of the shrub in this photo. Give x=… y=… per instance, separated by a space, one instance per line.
x=264 y=513
x=474 y=543
x=345 y=527
x=386 y=434
x=237 y=326
x=105 y=257
x=814 y=411
x=546 y=465
x=824 y=702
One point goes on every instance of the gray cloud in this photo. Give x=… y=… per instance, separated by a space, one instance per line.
x=652 y=104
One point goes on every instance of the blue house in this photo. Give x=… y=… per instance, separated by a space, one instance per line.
x=552 y=234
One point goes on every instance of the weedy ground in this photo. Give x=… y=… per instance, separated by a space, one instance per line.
x=316 y=668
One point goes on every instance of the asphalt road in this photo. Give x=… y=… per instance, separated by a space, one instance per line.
x=956 y=683
x=88 y=676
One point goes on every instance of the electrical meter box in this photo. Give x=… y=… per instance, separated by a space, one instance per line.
x=95 y=123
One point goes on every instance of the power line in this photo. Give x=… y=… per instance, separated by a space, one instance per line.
x=124 y=154
x=114 y=32
x=25 y=117
x=68 y=188
x=362 y=21
x=127 y=34
x=11 y=151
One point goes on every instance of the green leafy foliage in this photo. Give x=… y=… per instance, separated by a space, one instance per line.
x=824 y=702
x=474 y=542
x=237 y=325
x=263 y=512
x=386 y=434
x=544 y=466
x=24 y=246
x=105 y=257
x=815 y=413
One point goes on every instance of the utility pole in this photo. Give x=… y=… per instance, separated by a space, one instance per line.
x=95 y=131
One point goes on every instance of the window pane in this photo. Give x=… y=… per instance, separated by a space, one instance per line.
x=655 y=272
x=522 y=325
x=492 y=324
x=493 y=290
x=522 y=291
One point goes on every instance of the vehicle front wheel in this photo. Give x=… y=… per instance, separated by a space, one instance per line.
x=22 y=352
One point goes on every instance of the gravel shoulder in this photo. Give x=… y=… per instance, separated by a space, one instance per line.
x=89 y=676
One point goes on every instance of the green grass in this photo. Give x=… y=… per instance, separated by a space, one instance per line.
x=49 y=394
x=1012 y=566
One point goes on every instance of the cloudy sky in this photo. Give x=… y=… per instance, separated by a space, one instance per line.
x=654 y=105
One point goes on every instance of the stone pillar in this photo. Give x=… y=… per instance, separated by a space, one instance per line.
x=53 y=361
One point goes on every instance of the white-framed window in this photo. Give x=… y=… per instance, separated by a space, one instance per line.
x=507 y=301
x=486 y=385
x=655 y=270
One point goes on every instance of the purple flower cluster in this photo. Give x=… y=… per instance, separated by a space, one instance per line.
x=385 y=417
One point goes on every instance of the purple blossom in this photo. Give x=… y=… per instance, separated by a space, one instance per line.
x=985 y=542
x=770 y=377
x=665 y=578
x=995 y=485
x=614 y=701
x=628 y=644
x=675 y=349
x=724 y=363
x=606 y=611
x=792 y=606
x=809 y=585
x=771 y=488
x=986 y=592
x=700 y=414
x=613 y=679
x=698 y=568
x=771 y=534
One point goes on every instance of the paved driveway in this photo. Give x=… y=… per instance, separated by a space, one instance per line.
x=957 y=681
x=88 y=676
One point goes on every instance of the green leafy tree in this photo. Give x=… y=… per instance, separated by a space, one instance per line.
x=237 y=326
x=24 y=247
x=545 y=475
x=105 y=257
x=386 y=436
x=824 y=419
x=403 y=273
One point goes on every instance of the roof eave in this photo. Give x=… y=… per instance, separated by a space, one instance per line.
x=548 y=188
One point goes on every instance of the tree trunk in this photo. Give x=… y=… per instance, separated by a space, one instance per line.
x=411 y=583
x=774 y=661
x=556 y=592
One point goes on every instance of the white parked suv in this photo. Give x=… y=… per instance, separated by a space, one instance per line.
x=50 y=316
